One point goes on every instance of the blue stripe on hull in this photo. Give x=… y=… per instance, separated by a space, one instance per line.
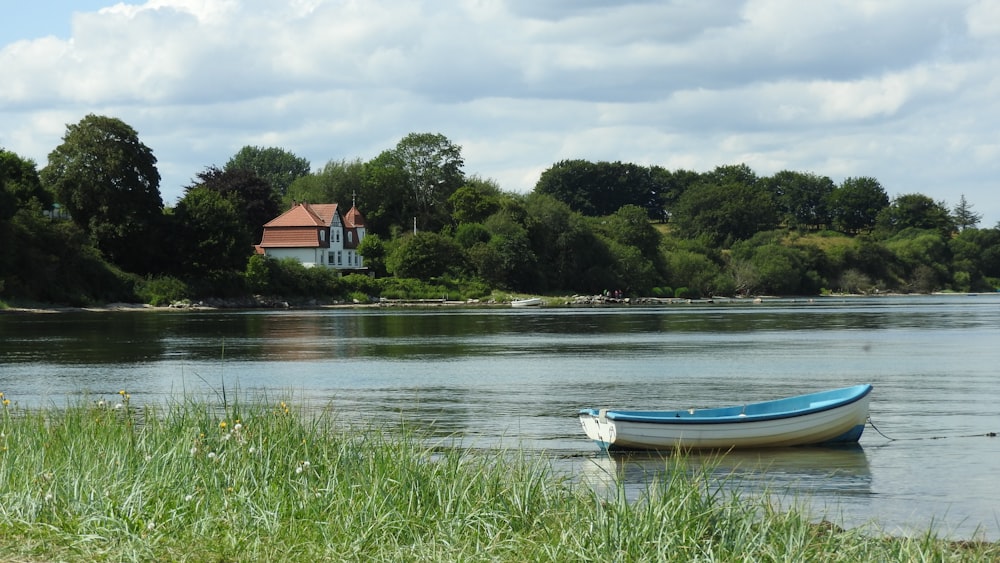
x=851 y=436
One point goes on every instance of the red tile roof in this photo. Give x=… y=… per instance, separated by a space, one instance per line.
x=305 y=215
x=290 y=237
x=354 y=218
x=299 y=227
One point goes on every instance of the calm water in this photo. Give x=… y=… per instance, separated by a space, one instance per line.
x=515 y=378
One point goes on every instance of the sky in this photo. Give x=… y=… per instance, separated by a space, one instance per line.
x=905 y=91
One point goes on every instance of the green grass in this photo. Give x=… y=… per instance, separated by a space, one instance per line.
x=195 y=482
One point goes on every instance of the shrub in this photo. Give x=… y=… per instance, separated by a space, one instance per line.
x=160 y=291
x=686 y=293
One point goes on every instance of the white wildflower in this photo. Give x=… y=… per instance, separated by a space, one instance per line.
x=151 y=525
x=211 y=455
x=119 y=406
x=194 y=450
x=237 y=427
x=298 y=470
x=48 y=497
x=188 y=498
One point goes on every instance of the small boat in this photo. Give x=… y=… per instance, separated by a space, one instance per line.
x=529 y=302
x=836 y=416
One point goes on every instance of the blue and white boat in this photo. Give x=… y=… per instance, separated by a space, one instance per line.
x=837 y=416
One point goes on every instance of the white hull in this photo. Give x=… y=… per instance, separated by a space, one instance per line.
x=531 y=302
x=841 y=424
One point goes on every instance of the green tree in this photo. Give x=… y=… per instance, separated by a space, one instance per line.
x=601 y=188
x=731 y=174
x=573 y=257
x=630 y=226
x=20 y=185
x=976 y=252
x=925 y=256
x=108 y=181
x=336 y=182
x=964 y=216
x=506 y=259
x=694 y=270
x=855 y=204
x=802 y=198
x=387 y=205
x=726 y=206
x=276 y=166
x=672 y=186
x=412 y=183
x=630 y=271
x=425 y=255
x=468 y=235
x=250 y=195
x=783 y=270
x=915 y=211
x=373 y=250
x=209 y=233
x=475 y=201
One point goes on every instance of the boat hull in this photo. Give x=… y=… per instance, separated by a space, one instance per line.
x=530 y=302
x=831 y=417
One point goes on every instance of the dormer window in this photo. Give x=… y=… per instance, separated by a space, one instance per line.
x=322 y=235
x=350 y=236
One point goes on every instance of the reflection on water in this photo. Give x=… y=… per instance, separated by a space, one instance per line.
x=516 y=378
x=785 y=472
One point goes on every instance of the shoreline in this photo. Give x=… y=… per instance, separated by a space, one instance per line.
x=550 y=302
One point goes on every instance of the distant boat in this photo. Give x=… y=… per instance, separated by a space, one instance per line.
x=529 y=302
x=836 y=416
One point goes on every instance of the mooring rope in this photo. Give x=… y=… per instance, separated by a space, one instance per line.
x=986 y=435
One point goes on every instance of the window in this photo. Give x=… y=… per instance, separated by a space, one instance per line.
x=338 y=235
x=350 y=236
x=322 y=235
x=339 y=261
x=329 y=258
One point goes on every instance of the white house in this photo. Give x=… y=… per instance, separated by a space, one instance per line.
x=316 y=235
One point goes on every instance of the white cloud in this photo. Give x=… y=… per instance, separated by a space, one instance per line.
x=903 y=91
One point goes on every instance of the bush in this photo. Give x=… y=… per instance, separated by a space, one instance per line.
x=663 y=291
x=359 y=283
x=686 y=293
x=160 y=291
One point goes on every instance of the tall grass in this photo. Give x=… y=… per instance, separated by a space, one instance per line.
x=261 y=482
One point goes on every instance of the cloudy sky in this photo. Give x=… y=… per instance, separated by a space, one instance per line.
x=905 y=91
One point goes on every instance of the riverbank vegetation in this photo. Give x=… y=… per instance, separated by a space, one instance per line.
x=260 y=481
x=91 y=227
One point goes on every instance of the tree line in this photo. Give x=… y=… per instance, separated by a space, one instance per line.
x=91 y=226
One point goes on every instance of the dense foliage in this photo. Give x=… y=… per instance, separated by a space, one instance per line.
x=107 y=180
x=276 y=166
x=90 y=227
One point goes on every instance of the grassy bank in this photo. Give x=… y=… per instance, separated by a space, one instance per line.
x=193 y=482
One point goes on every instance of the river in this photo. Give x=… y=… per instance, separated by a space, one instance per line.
x=501 y=377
